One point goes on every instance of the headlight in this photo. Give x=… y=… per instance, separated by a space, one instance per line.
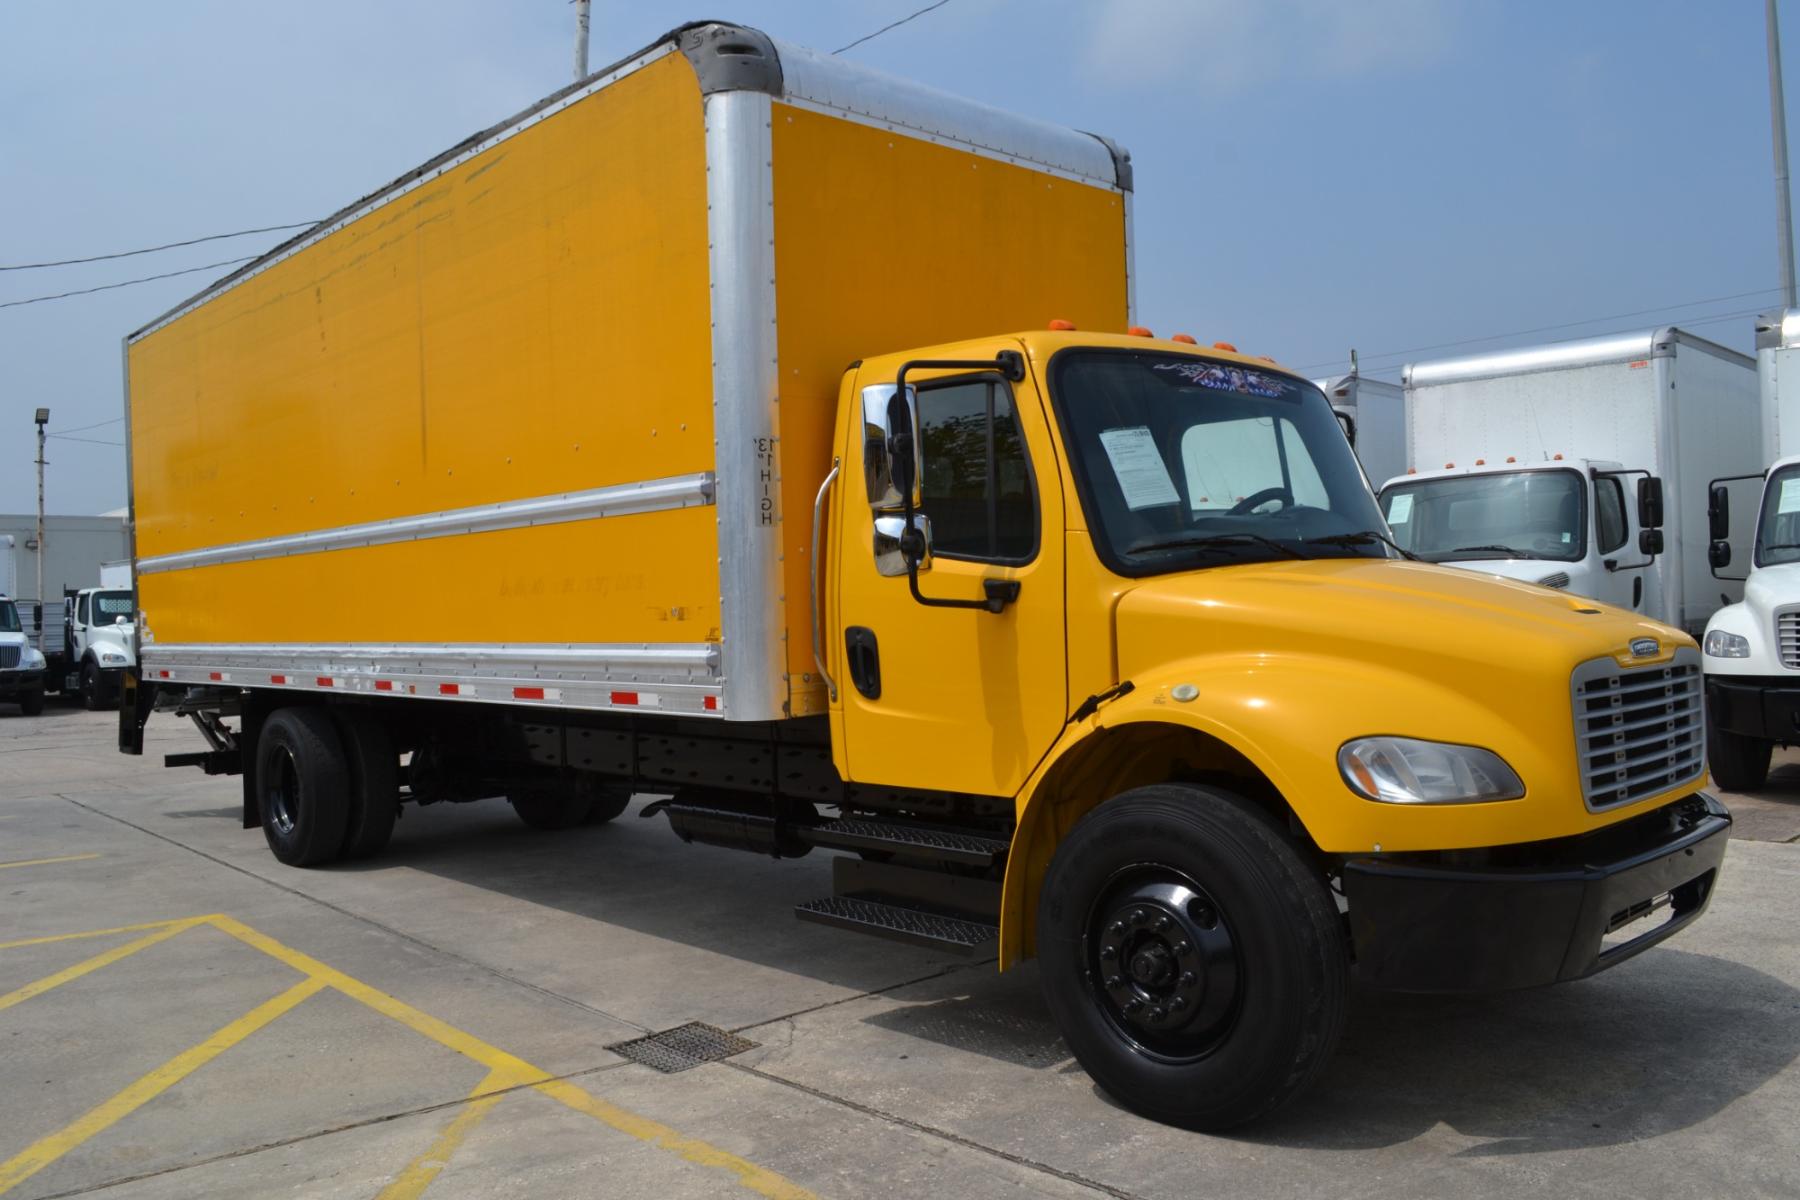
x=1400 y=770
x=113 y=660
x=31 y=660
x=1720 y=644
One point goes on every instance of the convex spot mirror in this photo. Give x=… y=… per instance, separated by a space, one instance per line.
x=890 y=447
x=1718 y=514
x=1650 y=502
x=1650 y=542
x=1718 y=554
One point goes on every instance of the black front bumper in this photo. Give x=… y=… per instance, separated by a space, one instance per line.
x=20 y=683
x=1523 y=916
x=1755 y=706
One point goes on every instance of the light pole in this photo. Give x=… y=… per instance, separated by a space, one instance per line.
x=43 y=419
x=581 y=39
x=1784 y=216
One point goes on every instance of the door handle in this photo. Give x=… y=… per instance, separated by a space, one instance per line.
x=818 y=615
x=863 y=655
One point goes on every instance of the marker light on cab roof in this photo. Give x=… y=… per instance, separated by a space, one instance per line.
x=1061 y=326
x=1138 y=331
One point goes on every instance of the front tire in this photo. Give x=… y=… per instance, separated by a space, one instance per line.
x=302 y=786
x=91 y=698
x=1740 y=763
x=1193 y=960
x=31 y=704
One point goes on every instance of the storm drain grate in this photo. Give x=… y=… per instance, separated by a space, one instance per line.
x=682 y=1047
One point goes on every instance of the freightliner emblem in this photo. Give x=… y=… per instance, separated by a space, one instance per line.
x=1644 y=647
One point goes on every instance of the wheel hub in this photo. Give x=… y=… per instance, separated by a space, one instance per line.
x=1164 y=962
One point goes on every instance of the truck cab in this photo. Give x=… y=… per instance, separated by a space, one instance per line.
x=99 y=644
x=1577 y=525
x=21 y=665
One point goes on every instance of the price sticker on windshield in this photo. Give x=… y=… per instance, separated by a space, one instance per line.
x=1789 y=500
x=1400 y=509
x=1138 y=465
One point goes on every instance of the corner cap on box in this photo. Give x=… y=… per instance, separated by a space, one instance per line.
x=1121 y=160
x=731 y=58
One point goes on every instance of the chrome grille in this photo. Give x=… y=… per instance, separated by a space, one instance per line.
x=1787 y=637
x=9 y=656
x=1638 y=730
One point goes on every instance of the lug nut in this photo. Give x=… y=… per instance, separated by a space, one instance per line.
x=1108 y=953
x=1116 y=928
x=1133 y=1004
x=1138 y=916
x=1183 y=949
x=1177 y=1004
x=1156 y=1013
x=1161 y=925
x=1114 y=983
x=1188 y=979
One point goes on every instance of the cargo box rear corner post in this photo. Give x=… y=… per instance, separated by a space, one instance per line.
x=711 y=418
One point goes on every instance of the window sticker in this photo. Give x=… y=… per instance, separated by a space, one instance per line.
x=1221 y=378
x=1139 y=468
x=1790 y=497
x=1400 y=509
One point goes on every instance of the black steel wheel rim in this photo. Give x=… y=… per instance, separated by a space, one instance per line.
x=1162 y=963
x=282 y=793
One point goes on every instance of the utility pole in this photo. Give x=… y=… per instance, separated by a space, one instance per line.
x=581 y=39
x=43 y=419
x=1784 y=215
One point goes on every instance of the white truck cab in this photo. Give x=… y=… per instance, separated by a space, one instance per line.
x=1573 y=524
x=98 y=644
x=1752 y=649
x=21 y=665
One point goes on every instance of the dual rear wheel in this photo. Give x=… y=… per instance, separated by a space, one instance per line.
x=328 y=785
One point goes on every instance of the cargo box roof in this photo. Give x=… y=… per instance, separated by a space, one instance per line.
x=1586 y=352
x=730 y=57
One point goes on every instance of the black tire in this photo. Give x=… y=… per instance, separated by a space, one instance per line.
x=302 y=786
x=91 y=698
x=1739 y=763
x=609 y=802
x=551 y=809
x=31 y=704
x=374 y=792
x=1232 y=1018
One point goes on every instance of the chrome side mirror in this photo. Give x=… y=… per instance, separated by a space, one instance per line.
x=883 y=410
x=890 y=555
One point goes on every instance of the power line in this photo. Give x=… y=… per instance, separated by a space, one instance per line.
x=1551 y=328
x=90 y=441
x=913 y=16
x=81 y=428
x=211 y=237
x=107 y=287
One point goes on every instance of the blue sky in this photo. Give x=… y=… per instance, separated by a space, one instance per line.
x=1312 y=175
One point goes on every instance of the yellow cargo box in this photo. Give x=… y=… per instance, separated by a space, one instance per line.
x=540 y=422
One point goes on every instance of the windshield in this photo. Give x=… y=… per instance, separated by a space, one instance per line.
x=1185 y=462
x=9 y=617
x=110 y=606
x=1497 y=514
x=1778 y=529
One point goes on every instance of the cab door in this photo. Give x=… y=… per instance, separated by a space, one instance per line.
x=958 y=699
x=1627 y=574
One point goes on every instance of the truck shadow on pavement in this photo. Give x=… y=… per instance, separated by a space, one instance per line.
x=1661 y=1043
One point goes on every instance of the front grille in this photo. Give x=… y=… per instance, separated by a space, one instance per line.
x=1638 y=730
x=1787 y=637
x=9 y=656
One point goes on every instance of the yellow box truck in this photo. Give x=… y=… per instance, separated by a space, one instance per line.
x=668 y=439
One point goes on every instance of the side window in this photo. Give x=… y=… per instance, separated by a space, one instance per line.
x=81 y=609
x=977 y=483
x=1609 y=513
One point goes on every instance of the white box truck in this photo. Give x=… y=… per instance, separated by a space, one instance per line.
x=1549 y=465
x=1373 y=414
x=1752 y=659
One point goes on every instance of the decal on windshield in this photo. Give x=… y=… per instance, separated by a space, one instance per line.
x=1400 y=509
x=1789 y=500
x=1221 y=378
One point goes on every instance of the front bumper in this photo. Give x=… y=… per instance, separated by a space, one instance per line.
x=21 y=682
x=1755 y=706
x=1523 y=916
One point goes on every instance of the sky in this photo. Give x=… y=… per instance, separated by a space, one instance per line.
x=1397 y=176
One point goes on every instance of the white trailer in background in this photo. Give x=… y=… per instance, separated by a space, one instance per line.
x=1373 y=414
x=1752 y=648
x=1550 y=465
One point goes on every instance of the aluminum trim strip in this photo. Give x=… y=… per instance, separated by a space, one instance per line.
x=829 y=83
x=740 y=227
x=619 y=500
x=455 y=157
x=693 y=658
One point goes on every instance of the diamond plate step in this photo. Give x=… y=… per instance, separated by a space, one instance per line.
x=914 y=841
x=914 y=926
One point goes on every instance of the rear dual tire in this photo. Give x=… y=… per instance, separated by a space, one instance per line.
x=327 y=788
x=556 y=808
x=1193 y=959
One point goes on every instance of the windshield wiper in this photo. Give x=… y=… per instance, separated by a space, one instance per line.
x=1364 y=537
x=1509 y=551
x=1215 y=541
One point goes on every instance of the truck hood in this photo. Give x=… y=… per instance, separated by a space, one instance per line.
x=1523 y=570
x=1766 y=592
x=116 y=638
x=1434 y=620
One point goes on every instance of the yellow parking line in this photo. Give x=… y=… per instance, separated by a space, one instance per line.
x=41 y=862
x=422 y=1170
x=757 y=1179
x=184 y=922
x=95 y=963
x=47 y=1150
